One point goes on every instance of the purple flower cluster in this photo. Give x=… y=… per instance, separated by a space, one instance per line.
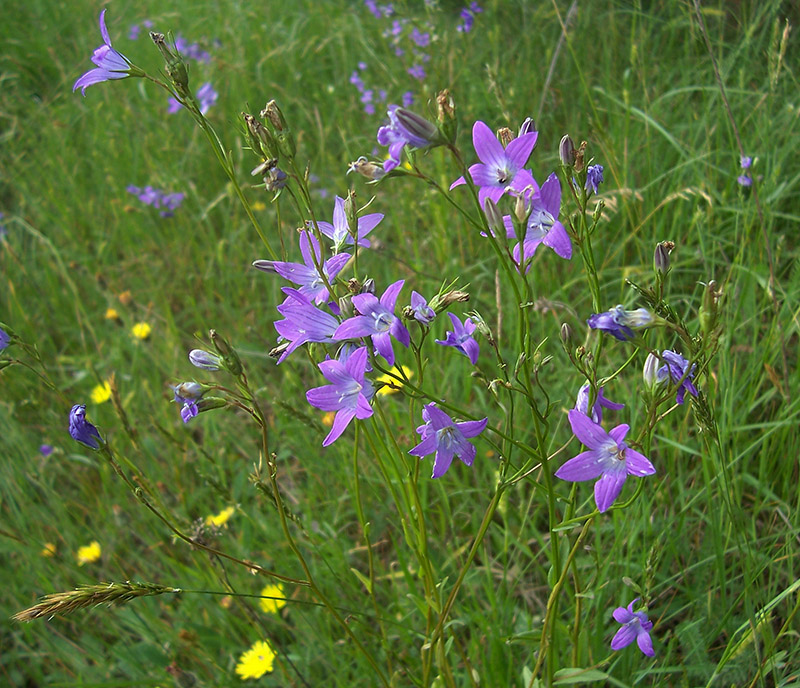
x=467 y=16
x=745 y=163
x=168 y=202
x=206 y=97
x=193 y=51
x=369 y=96
x=135 y=30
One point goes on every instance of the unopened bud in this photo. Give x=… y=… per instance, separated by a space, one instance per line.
x=709 y=312
x=494 y=217
x=228 y=353
x=368 y=287
x=566 y=334
x=189 y=390
x=505 y=136
x=661 y=256
x=273 y=113
x=205 y=359
x=521 y=210
x=520 y=362
x=418 y=126
x=527 y=127
x=566 y=151
x=351 y=214
x=346 y=308
x=650 y=371
x=441 y=302
x=210 y=403
x=174 y=65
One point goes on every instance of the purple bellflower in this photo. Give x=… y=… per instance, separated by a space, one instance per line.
x=582 y=403
x=303 y=322
x=676 y=367
x=594 y=177
x=745 y=161
x=348 y=394
x=81 y=430
x=620 y=323
x=188 y=394
x=461 y=338
x=635 y=626
x=397 y=136
x=377 y=320
x=744 y=180
x=609 y=458
x=544 y=226
x=4 y=339
x=200 y=358
x=110 y=63
x=499 y=169
x=339 y=231
x=305 y=274
x=421 y=311
x=46 y=449
x=442 y=435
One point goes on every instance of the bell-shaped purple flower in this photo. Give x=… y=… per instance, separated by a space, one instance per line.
x=303 y=322
x=609 y=458
x=635 y=626
x=594 y=177
x=461 y=338
x=188 y=394
x=110 y=63
x=420 y=310
x=582 y=403
x=306 y=274
x=81 y=430
x=339 y=231
x=499 y=169
x=348 y=394
x=377 y=320
x=447 y=438
x=396 y=135
x=620 y=323
x=675 y=368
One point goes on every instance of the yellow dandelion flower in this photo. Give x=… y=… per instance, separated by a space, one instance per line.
x=390 y=384
x=221 y=518
x=111 y=314
x=141 y=330
x=258 y=206
x=89 y=553
x=48 y=550
x=327 y=418
x=101 y=393
x=270 y=605
x=256 y=661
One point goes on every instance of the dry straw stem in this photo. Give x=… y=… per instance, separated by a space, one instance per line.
x=111 y=594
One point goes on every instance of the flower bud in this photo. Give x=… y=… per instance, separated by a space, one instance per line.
x=650 y=371
x=418 y=126
x=268 y=145
x=521 y=210
x=441 y=302
x=505 y=136
x=189 y=390
x=368 y=287
x=210 y=403
x=709 y=312
x=494 y=217
x=284 y=137
x=229 y=355
x=527 y=127
x=346 y=308
x=566 y=334
x=175 y=67
x=566 y=151
x=661 y=256
x=273 y=114
x=351 y=214
x=205 y=359
x=481 y=326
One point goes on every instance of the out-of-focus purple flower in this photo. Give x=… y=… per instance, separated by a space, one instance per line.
x=420 y=38
x=675 y=368
x=396 y=136
x=745 y=161
x=193 y=51
x=408 y=99
x=417 y=71
x=635 y=626
x=461 y=338
x=377 y=320
x=81 y=430
x=133 y=33
x=206 y=97
x=379 y=11
x=447 y=438
x=620 y=323
x=744 y=180
x=303 y=322
x=422 y=312
x=500 y=169
x=168 y=202
x=467 y=15
x=305 y=274
x=609 y=458
x=4 y=339
x=543 y=227
x=339 y=231
x=110 y=63
x=205 y=360
x=582 y=403
x=46 y=449
x=594 y=177
x=348 y=394
x=188 y=394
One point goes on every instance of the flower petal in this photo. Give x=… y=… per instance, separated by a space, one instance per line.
x=624 y=637
x=585 y=466
x=622 y=615
x=519 y=150
x=442 y=461
x=645 y=643
x=638 y=464
x=472 y=428
x=489 y=149
x=607 y=489
x=340 y=423
x=591 y=434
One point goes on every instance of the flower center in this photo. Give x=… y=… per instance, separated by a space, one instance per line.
x=383 y=321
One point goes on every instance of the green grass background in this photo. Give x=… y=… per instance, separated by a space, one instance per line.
x=636 y=81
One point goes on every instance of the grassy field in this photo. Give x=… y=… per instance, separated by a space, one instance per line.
x=494 y=575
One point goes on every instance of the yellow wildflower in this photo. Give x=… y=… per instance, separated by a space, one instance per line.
x=270 y=605
x=327 y=418
x=221 y=518
x=89 y=553
x=101 y=393
x=256 y=661
x=390 y=384
x=259 y=206
x=141 y=330
x=48 y=550
x=111 y=314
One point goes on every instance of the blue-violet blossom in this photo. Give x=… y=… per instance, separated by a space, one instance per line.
x=396 y=136
x=339 y=231
x=582 y=403
x=188 y=394
x=421 y=311
x=110 y=63
x=620 y=323
x=635 y=626
x=447 y=438
x=594 y=177
x=609 y=458
x=81 y=430
x=676 y=367
x=303 y=322
x=4 y=339
x=461 y=338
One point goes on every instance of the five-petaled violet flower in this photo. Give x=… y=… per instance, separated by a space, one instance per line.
x=635 y=626
x=447 y=438
x=81 y=430
x=348 y=394
x=420 y=310
x=582 y=403
x=594 y=177
x=303 y=322
x=609 y=458
x=620 y=323
x=376 y=319
x=110 y=63
x=543 y=225
x=499 y=169
x=461 y=338
x=339 y=231
x=676 y=367
x=306 y=274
